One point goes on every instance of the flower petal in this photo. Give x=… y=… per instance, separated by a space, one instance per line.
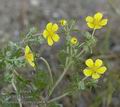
x=90 y=25
x=89 y=62
x=98 y=16
x=27 y=49
x=45 y=34
x=50 y=41
x=54 y=27
x=101 y=70
x=74 y=40
x=63 y=22
x=95 y=76
x=49 y=26
x=89 y=19
x=87 y=72
x=30 y=57
x=98 y=63
x=104 y=22
x=98 y=27
x=55 y=37
x=32 y=64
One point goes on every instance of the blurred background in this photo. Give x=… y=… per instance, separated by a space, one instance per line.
x=17 y=16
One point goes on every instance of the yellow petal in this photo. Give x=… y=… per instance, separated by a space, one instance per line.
x=49 y=26
x=89 y=19
x=101 y=70
x=87 y=72
x=98 y=63
x=54 y=27
x=89 y=62
x=73 y=40
x=45 y=34
x=63 y=22
x=30 y=57
x=104 y=22
x=56 y=37
x=90 y=25
x=98 y=16
x=27 y=49
x=32 y=64
x=98 y=27
x=95 y=76
x=50 y=41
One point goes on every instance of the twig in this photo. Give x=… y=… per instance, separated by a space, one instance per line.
x=58 y=98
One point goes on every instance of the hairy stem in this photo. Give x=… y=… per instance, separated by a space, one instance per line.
x=84 y=78
x=49 y=69
x=93 y=32
x=60 y=78
x=18 y=96
x=58 y=98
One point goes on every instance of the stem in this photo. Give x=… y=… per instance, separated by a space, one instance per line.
x=93 y=32
x=59 y=97
x=49 y=69
x=18 y=96
x=60 y=78
x=44 y=103
x=84 y=78
x=80 y=53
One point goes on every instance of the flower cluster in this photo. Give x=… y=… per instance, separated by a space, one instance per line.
x=94 y=69
x=71 y=54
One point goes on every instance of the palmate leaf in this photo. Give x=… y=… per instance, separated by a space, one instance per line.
x=41 y=80
x=73 y=85
x=11 y=56
x=90 y=41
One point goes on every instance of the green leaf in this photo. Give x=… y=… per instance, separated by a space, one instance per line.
x=81 y=85
x=90 y=42
x=41 y=80
x=8 y=76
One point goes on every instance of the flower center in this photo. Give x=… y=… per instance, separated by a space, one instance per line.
x=94 y=69
x=96 y=22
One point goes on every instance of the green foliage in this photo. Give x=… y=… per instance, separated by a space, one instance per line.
x=33 y=37
x=10 y=57
x=90 y=42
x=41 y=85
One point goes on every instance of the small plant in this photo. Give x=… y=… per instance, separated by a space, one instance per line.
x=42 y=85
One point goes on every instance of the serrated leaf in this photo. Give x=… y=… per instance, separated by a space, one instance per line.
x=81 y=85
x=41 y=80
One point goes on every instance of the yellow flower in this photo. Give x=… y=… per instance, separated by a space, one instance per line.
x=63 y=22
x=50 y=33
x=94 y=69
x=74 y=40
x=29 y=56
x=97 y=21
